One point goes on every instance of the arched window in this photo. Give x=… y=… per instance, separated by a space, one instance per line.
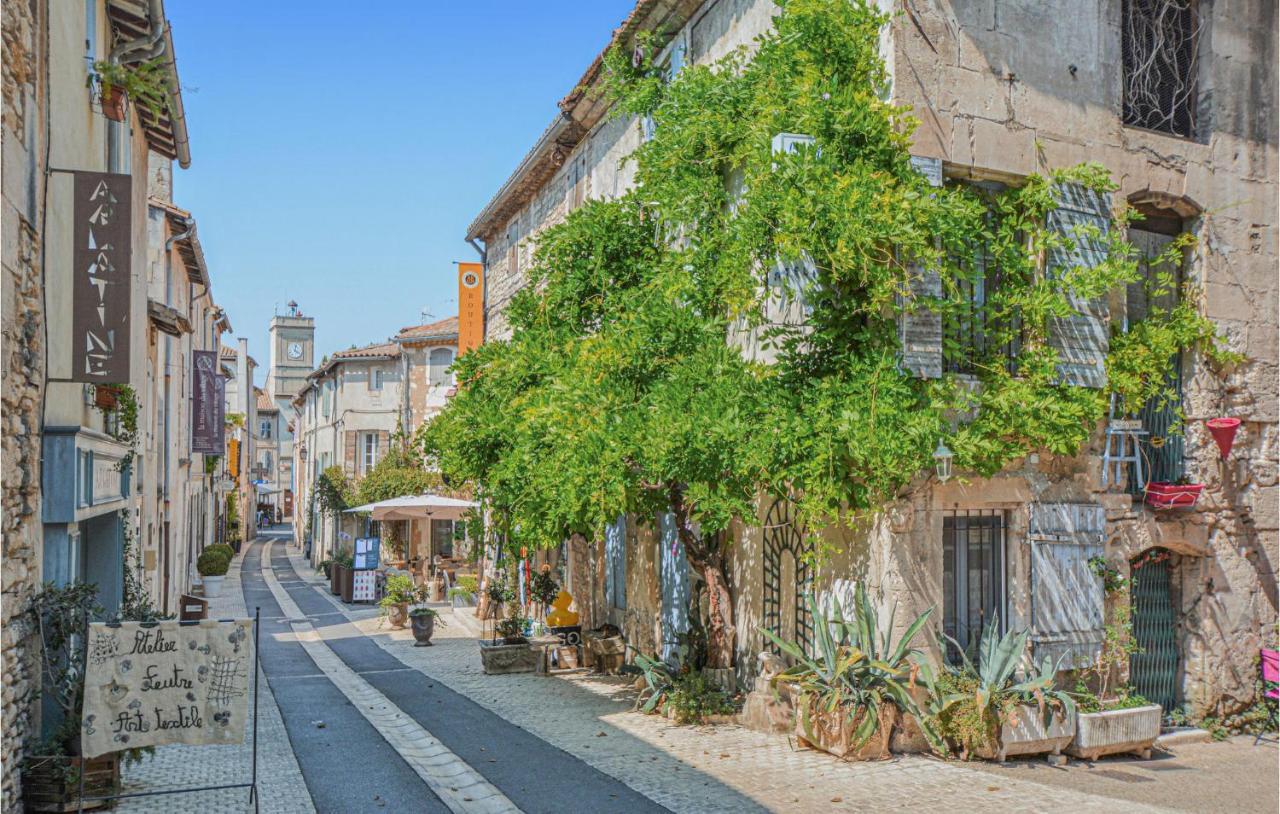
x=440 y=360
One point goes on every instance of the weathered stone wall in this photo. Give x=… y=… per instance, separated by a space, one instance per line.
x=22 y=368
x=993 y=101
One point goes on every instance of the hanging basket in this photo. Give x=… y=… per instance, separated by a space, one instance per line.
x=1173 y=495
x=1224 y=432
x=114 y=103
x=106 y=397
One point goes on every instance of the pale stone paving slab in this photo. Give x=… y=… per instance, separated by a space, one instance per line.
x=703 y=769
x=460 y=787
x=280 y=780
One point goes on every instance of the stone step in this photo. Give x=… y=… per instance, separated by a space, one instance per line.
x=1180 y=735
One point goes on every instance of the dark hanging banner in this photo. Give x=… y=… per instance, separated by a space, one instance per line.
x=208 y=406
x=100 y=280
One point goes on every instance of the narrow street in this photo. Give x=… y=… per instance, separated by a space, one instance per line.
x=341 y=695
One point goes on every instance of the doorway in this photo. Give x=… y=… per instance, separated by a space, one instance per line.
x=1156 y=669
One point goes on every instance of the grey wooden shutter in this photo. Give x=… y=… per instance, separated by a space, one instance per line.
x=919 y=326
x=1082 y=220
x=1066 y=596
x=615 y=559
x=674 y=571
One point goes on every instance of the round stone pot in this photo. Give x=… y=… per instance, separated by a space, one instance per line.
x=212 y=586
x=423 y=626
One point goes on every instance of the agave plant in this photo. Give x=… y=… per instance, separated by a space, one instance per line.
x=857 y=672
x=657 y=679
x=981 y=695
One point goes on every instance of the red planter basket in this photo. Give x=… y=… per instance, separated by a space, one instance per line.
x=1172 y=495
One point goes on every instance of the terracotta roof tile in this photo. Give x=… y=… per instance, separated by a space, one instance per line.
x=266 y=404
x=443 y=328
x=369 y=351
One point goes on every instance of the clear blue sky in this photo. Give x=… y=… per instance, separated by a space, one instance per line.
x=339 y=150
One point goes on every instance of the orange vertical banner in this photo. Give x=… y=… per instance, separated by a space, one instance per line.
x=470 y=306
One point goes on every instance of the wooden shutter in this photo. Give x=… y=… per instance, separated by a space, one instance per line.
x=615 y=559
x=1066 y=596
x=1082 y=220
x=919 y=326
x=350 y=440
x=675 y=588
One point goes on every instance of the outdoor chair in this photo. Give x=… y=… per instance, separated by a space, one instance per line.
x=1271 y=686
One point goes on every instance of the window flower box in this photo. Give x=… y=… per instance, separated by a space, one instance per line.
x=1162 y=495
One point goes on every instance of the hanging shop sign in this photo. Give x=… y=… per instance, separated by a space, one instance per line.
x=470 y=306
x=208 y=404
x=147 y=685
x=100 y=280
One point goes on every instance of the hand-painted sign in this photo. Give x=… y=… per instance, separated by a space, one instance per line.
x=166 y=683
x=470 y=306
x=100 y=278
x=208 y=404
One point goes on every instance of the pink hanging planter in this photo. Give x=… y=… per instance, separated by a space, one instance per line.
x=1224 y=432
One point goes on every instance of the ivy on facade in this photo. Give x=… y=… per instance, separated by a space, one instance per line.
x=628 y=385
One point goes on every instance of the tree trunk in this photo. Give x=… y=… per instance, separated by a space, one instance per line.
x=709 y=560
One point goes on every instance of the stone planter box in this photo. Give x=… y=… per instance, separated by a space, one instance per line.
x=833 y=733
x=502 y=658
x=1116 y=732
x=1028 y=734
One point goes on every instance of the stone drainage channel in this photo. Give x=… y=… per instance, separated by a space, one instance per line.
x=372 y=734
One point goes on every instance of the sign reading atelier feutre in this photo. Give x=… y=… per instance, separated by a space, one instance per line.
x=166 y=683
x=101 y=278
x=208 y=405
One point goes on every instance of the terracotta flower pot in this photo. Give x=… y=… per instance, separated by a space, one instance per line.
x=105 y=398
x=398 y=614
x=114 y=103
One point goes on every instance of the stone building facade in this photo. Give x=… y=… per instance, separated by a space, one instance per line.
x=57 y=527
x=351 y=409
x=1002 y=90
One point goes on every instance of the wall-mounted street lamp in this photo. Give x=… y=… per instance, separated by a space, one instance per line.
x=942 y=461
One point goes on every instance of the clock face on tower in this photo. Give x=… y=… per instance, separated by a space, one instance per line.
x=295 y=350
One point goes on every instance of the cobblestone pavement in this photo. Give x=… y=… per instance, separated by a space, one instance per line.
x=706 y=769
x=280 y=779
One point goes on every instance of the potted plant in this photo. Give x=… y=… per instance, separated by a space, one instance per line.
x=543 y=588
x=858 y=685
x=341 y=583
x=105 y=397
x=326 y=565
x=687 y=697
x=51 y=771
x=1113 y=719
x=424 y=621
x=212 y=565
x=399 y=595
x=982 y=711
x=147 y=83
x=1179 y=494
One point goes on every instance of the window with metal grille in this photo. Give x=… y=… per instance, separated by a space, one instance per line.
x=974 y=334
x=1158 y=47
x=973 y=577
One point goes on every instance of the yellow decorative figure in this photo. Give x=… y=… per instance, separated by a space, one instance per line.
x=560 y=615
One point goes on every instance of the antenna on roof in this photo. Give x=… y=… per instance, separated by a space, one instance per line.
x=425 y=313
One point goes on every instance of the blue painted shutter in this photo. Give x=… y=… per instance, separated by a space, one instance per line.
x=920 y=327
x=1082 y=220
x=615 y=558
x=1066 y=596
x=674 y=569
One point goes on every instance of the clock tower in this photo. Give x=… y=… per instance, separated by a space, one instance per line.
x=292 y=353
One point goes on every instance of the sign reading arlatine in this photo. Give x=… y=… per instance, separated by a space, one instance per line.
x=208 y=404
x=100 y=278
x=166 y=683
x=470 y=306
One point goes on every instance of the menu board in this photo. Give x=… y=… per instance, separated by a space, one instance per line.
x=367 y=549
x=364 y=586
